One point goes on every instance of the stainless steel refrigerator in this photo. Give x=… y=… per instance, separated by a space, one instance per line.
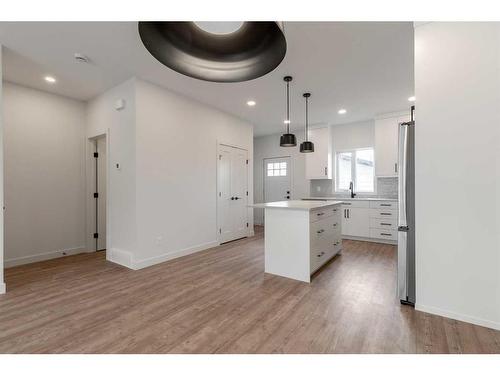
x=406 y=216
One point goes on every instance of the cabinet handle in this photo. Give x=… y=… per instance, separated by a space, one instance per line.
x=385 y=234
x=348 y=213
x=334 y=224
x=346 y=204
x=326 y=171
x=386 y=224
x=396 y=167
x=320 y=231
x=345 y=214
x=385 y=214
x=321 y=213
x=385 y=205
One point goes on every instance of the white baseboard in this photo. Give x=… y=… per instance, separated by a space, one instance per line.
x=121 y=257
x=457 y=316
x=139 y=264
x=3 y=289
x=43 y=256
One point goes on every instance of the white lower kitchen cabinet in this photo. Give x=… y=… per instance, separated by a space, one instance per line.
x=355 y=221
x=370 y=220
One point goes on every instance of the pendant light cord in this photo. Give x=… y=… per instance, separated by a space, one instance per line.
x=307 y=116
x=288 y=107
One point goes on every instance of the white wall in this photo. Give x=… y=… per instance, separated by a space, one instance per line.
x=176 y=172
x=119 y=125
x=44 y=175
x=269 y=147
x=457 y=80
x=162 y=203
x=2 y=283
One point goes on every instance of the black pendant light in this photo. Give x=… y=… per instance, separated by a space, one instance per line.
x=216 y=51
x=288 y=139
x=307 y=146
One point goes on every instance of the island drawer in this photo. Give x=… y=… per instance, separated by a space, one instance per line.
x=324 y=213
x=383 y=223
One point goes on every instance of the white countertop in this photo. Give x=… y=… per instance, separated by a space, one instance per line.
x=297 y=205
x=352 y=199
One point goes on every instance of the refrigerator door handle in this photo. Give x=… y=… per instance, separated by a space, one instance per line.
x=402 y=161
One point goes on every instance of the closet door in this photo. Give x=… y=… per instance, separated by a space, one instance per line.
x=232 y=193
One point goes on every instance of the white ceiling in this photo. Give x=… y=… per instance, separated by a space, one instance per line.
x=365 y=67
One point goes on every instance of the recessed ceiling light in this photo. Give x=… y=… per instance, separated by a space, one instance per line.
x=50 y=79
x=286 y=122
x=411 y=99
x=342 y=111
x=251 y=103
x=219 y=28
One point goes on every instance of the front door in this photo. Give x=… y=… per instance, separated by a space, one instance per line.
x=277 y=179
x=232 y=193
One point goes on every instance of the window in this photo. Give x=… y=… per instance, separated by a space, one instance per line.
x=358 y=167
x=276 y=169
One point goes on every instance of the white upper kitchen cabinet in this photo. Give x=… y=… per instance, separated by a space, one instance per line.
x=319 y=162
x=386 y=145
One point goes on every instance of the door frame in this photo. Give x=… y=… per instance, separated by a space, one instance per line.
x=90 y=220
x=217 y=153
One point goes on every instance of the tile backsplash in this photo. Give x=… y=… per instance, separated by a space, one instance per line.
x=387 y=187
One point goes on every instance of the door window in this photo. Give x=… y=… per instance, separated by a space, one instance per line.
x=276 y=169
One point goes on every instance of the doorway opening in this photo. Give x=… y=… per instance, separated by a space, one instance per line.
x=98 y=193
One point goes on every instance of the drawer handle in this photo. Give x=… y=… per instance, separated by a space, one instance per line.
x=387 y=224
x=320 y=231
x=334 y=224
x=385 y=214
x=385 y=204
x=321 y=213
x=348 y=204
x=386 y=234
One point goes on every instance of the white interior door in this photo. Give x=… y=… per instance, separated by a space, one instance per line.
x=232 y=193
x=277 y=179
x=101 y=190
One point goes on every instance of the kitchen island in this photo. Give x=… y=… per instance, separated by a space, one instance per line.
x=300 y=236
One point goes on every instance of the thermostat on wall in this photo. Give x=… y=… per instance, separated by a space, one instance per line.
x=120 y=104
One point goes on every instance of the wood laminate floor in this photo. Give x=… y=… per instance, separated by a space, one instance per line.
x=220 y=301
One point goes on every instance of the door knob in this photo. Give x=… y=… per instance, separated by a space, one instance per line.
x=232 y=198
x=236 y=198
x=287 y=197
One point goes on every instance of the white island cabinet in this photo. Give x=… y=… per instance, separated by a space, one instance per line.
x=301 y=236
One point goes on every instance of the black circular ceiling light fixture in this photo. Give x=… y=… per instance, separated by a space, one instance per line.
x=216 y=51
x=288 y=139
x=307 y=145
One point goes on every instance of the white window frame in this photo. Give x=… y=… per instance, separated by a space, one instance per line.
x=353 y=171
